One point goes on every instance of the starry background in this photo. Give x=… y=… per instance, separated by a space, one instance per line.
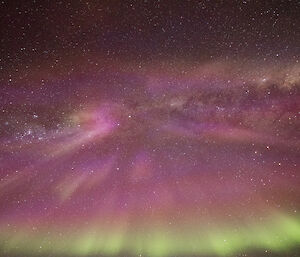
x=149 y=128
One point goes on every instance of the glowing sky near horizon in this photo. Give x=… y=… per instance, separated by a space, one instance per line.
x=120 y=138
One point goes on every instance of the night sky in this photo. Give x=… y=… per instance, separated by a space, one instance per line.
x=149 y=128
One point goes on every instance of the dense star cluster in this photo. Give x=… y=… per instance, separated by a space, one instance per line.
x=150 y=128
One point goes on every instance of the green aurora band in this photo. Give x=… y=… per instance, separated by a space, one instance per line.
x=279 y=234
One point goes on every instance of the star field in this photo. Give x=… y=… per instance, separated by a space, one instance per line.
x=150 y=128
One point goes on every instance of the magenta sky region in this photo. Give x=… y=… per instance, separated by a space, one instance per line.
x=210 y=164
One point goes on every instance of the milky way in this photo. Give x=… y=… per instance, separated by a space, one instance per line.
x=142 y=152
